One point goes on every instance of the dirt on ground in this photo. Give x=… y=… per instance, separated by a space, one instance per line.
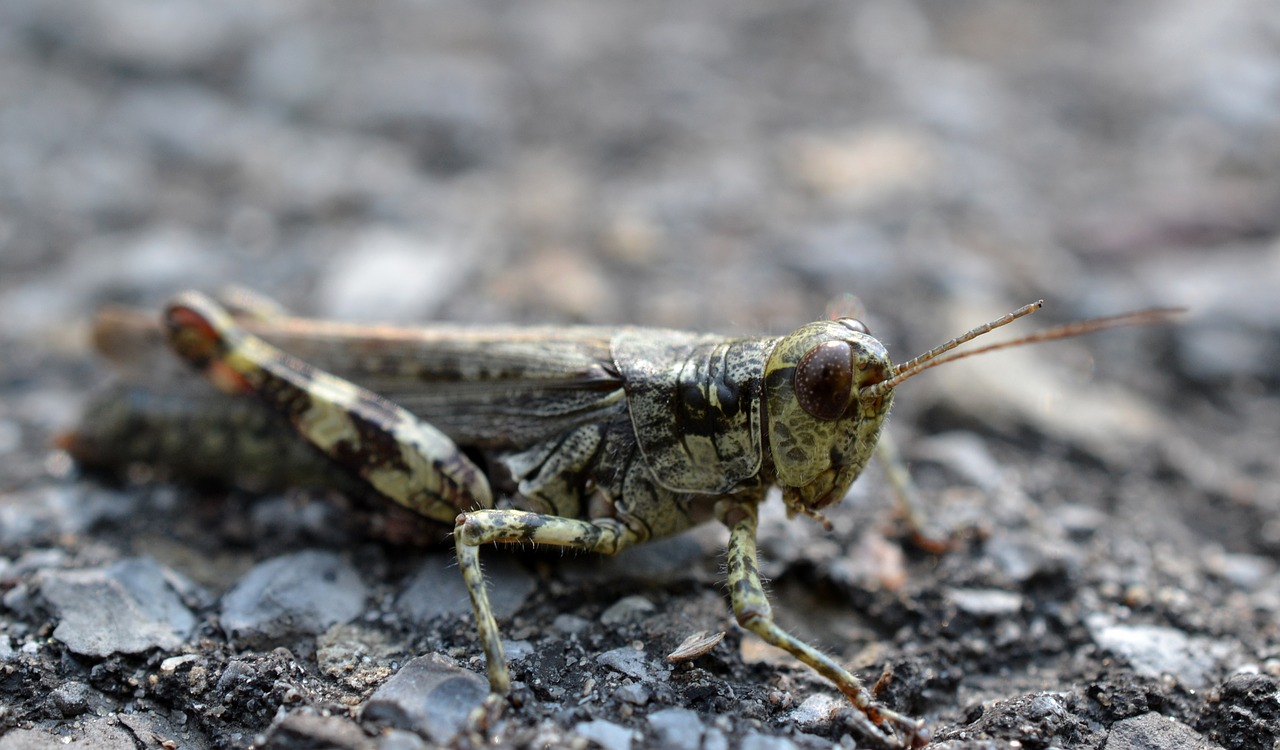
x=728 y=167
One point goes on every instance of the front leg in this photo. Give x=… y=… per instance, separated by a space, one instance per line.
x=908 y=496
x=484 y=526
x=751 y=607
x=402 y=457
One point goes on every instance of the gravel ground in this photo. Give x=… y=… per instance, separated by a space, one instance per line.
x=724 y=166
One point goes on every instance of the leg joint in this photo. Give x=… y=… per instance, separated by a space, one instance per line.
x=751 y=617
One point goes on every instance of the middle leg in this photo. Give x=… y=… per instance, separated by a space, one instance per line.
x=479 y=527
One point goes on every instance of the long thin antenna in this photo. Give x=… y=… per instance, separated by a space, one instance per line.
x=933 y=358
x=972 y=334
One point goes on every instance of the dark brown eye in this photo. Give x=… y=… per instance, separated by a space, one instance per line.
x=824 y=380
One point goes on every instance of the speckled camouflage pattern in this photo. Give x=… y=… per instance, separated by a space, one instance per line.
x=607 y=438
x=817 y=460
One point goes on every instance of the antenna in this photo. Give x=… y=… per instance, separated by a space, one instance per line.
x=933 y=357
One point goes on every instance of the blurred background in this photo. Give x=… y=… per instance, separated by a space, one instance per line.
x=728 y=166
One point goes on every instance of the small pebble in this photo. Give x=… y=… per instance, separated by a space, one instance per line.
x=627 y=610
x=1154 y=651
x=677 y=728
x=1079 y=521
x=517 y=650
x=1152 y=731
x=430 y=695
x=628 y=661
x=302 y=593
x=71 y=698
x=966 y=455
x=714 y=739
x=987 y=603
x=1248 y=572
x=128 y=608
x=303 y=729
x=814 y=711
x=437 y=589
x=636 y=694
x=173 y=662
x=570 y=624
x=608 y=735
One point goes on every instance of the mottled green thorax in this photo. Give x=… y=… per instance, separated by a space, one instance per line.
x=821 y=434
x=695 y=407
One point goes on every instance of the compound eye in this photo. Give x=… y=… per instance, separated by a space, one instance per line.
x=824 y=380
x=857 y=325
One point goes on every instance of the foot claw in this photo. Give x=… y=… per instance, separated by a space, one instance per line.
x=480 y=721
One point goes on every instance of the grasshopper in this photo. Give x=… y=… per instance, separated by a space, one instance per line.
x=588 y=438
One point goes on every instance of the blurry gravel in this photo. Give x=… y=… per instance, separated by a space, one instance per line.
x=733 y=167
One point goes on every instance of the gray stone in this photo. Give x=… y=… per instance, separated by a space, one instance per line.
x=302 y=730
x=815 y=710
x=632 y=663
x=636 y=694
x=606 y=734
x=1079 y=521
x=965 y=454
x=627 y=610
x=714 y=739
x=1249 y=572
x=1152 y=731
x=757 y=741
x=677 y=728
x=95 y=734
x=985 y=602
x=1022 y=557
x=517 y=650
x=128 y=608
x=570 y=624
x=298 y=594
x=1154 y=651
x=47 y=511
x=37 y=559
x=19 y=601
x=236 y=671
x=437 y=589
x=430 y=695
x=71 y=698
